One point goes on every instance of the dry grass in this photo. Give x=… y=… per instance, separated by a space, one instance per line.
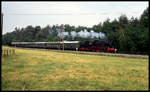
x=48 y=70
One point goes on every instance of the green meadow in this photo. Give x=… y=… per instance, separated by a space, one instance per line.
x=30 y=69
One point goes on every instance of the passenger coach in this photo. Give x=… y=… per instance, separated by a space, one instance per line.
x=70 y=45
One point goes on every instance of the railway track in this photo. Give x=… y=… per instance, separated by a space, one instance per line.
x=94 y=53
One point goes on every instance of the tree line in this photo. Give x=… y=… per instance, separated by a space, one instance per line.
x=126 y=35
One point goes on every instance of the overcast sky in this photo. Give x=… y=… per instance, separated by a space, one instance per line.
x=22 y=14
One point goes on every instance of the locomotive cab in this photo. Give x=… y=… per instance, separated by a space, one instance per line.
x=111 y=49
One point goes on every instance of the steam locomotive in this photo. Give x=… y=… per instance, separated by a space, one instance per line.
x=93 y=46
x=96 y=46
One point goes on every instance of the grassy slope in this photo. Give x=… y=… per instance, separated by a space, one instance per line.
x=46 y=70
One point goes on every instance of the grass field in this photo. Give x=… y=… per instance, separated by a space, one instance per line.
x=31 y=69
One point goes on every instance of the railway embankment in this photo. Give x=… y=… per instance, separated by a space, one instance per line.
x=97 y=53
x=110 y=54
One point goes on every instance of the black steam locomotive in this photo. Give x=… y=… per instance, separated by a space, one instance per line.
x=93 y=46
x=96 y=46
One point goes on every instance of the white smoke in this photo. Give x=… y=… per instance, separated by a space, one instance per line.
x=94 y=34
x=83 y=33
x=101 y=35
x=73 y=34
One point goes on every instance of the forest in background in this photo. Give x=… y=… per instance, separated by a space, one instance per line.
x=126 y=35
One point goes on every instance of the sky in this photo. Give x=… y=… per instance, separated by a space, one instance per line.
x=21 y=14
